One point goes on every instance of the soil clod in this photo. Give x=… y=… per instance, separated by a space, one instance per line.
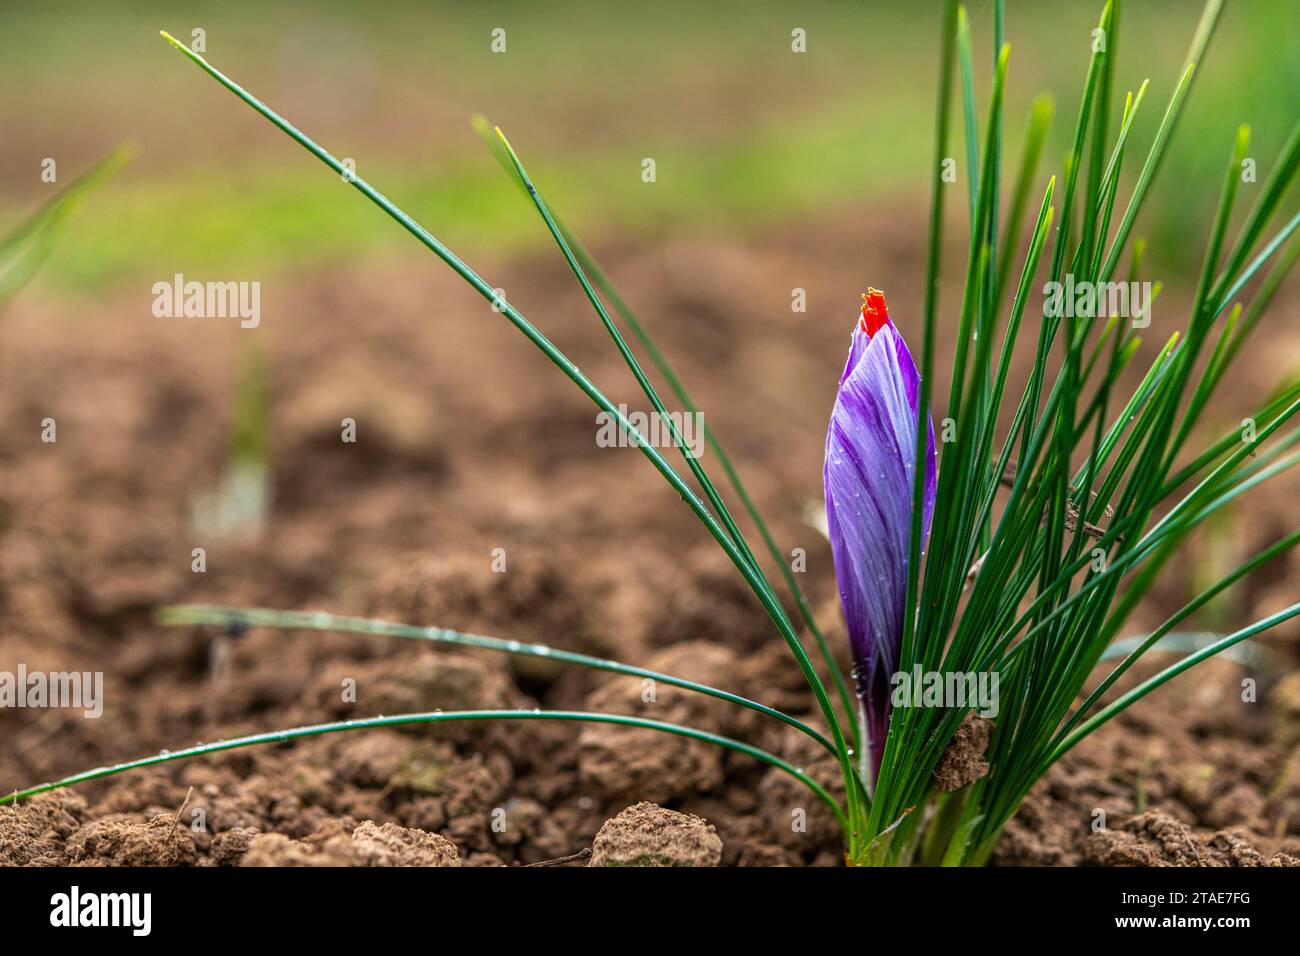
x=963 y=761
x=368 y=845
x=646 y=834
x=158 y=842
x=1156 y=838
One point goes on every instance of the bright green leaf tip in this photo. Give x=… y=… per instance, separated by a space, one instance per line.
x=180 y=46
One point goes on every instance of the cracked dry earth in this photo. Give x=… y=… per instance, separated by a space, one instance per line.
x=469 y=441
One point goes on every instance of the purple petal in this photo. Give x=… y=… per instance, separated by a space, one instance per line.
x=870 y=447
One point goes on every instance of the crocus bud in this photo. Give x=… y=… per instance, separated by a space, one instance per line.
x=868 y=475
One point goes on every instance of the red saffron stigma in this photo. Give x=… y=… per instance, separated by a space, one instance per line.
x=874 y=311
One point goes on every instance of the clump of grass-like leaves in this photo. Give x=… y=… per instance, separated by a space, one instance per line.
x=1044 y=538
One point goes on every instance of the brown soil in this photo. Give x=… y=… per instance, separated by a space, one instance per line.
x=963 y=761
x=469 y=441
x=649 y=835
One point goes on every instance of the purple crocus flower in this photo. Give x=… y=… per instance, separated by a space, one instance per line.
x=870 y=452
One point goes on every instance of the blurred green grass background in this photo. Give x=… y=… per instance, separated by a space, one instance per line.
x=745 y=133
